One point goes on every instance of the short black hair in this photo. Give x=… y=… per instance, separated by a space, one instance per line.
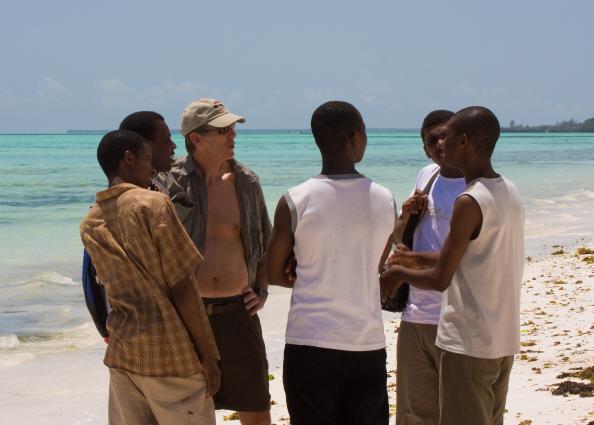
x=113 y=146
x=435 y=118
x=142 y=122
x=333 y=124
x=480 y=125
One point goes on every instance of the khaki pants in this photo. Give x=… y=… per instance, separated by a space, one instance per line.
x=143 y=400
x=417 y=381
x=473 y=390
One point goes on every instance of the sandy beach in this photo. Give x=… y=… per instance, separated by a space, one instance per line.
x=557 y=327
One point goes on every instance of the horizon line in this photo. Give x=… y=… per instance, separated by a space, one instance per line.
x=177 y=131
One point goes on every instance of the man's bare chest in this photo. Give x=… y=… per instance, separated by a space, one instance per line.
x=223 y=208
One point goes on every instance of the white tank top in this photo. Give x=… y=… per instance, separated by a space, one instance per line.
x=341 y=225
x=480 y=314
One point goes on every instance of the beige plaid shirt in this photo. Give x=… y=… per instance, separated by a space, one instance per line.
x=140 y=250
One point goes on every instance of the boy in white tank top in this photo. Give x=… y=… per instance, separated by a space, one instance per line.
x=339 y=226
x=480 y=267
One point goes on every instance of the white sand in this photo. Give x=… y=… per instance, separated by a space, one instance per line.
x=557 y=335
x=558 y=319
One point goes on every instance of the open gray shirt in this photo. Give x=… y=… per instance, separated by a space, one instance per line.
x=187 y=189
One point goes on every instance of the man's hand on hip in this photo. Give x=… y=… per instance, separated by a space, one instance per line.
x=253 y=301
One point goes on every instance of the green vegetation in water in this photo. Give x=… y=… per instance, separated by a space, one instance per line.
x=571 y=126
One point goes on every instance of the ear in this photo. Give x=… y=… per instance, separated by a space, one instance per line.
x=195 y=139
x=464 y=140
x=129 y=159
x=354 y=139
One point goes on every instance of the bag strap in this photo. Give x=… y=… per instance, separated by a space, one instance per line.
x=413 y=220
x=429 y=184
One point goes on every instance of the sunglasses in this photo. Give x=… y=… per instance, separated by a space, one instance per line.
x=222 y=130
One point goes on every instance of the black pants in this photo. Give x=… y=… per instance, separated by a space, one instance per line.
x=335 y=387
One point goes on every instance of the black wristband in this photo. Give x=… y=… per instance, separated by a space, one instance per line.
x=263 y=292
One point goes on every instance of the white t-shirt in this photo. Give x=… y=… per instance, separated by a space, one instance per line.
x=341 y=226
x=424 y=305
x=480 y=314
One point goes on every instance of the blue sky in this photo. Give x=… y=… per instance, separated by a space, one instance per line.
x=85 y=65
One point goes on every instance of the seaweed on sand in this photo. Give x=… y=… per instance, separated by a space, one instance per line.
x=571 y=387
x=580 y=373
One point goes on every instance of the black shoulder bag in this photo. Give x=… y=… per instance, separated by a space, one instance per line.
x=398 y=302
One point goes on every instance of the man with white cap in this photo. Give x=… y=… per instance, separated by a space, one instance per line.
x=221 y=205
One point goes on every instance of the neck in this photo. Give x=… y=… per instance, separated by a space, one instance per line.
x=450 y=173
x=117 y=180
x=332 y=166
x=479 y=168
x=211 y=169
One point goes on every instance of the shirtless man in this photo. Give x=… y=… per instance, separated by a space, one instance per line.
x=221 y=205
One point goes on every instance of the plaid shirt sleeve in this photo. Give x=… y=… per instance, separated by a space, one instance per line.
x=179 y=256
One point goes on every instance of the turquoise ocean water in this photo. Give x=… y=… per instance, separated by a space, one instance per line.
x=48 y=182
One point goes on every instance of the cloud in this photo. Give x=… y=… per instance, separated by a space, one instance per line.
x=462 y=90
x=313 y=95
x=113 y=85
x=236 y=96
x=114 y=92
x=12 y=102
x=368 y=99
x=51 y=90
x=165 y=94
x=175 y=88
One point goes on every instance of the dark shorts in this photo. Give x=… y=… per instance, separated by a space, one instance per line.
x=335 y=387
x=244 y=368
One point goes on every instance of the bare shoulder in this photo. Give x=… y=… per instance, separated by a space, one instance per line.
x=282 y=206
x=282 y=215
x=467 y=218
x=466 y=207
x=466 y=201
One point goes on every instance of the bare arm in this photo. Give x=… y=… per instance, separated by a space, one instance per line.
x=412 y=260
x=385 y=254
x=465 y=225
x=280 y=247
x=187 y=302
